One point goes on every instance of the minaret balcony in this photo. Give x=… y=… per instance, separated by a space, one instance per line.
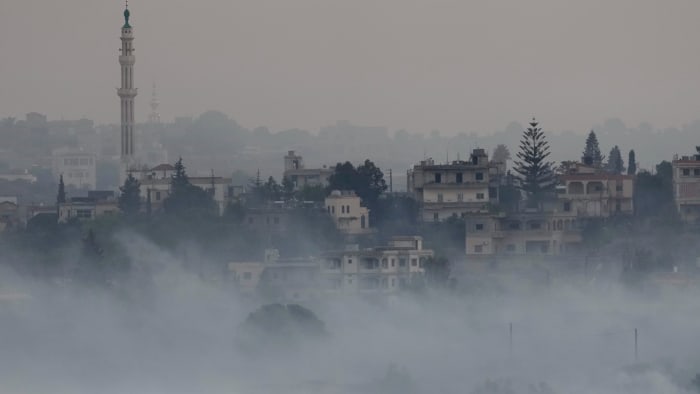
x=127 y=92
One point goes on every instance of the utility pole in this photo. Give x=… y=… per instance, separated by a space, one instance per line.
x=510 y=340
x=636 y=348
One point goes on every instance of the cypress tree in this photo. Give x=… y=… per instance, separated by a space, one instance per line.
x=615 y=164
x=631 y=163
x=130 y=198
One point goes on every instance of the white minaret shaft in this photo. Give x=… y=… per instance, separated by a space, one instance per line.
x=127 y=92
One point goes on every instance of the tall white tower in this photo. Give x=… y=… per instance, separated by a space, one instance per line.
x=154 y=116
x=127 y=92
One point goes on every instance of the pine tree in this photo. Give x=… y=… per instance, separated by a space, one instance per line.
x=615 y=164
x=631 y=163
x=130 y=198
x=186 y=198
x=536 y=174
x=61 y=197
x=592 y=155
x=501 y=154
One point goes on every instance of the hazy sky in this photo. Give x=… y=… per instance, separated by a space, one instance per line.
x=453 y=65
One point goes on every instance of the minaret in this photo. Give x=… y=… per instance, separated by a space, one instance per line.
x=127 y=92
x=154 y=117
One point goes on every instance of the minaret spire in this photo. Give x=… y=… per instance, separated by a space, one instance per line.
x=127 y=92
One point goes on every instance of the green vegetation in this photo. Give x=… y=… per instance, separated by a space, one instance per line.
x=536 y=173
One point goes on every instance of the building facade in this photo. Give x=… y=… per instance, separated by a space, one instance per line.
x=385 y=269
x=79 y=169
x=95 y=205
x=456 y=189
x=348 y=214
x=686 y=187
x=301 y=176
x=590 y=193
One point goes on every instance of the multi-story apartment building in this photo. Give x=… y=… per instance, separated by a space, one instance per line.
x=686 y=187
x=525 y=233
x=588 y=192
x=458 y=188
x=301 y=176
x=79 y=169
x=384 y=269
x=348 y=214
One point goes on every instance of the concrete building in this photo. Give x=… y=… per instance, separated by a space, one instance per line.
x=525 y=233
x=156 y=183
x=9 y=213
x=348 y=214
x=96 y=204
x=686 y=187
x=377 y=270
x=79 y=169
x=588 y=192
x=459 y=188
x=301 y=176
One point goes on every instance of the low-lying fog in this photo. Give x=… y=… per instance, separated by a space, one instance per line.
x=567 y=338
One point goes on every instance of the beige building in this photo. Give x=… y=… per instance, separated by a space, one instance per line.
x=9 y=213
x=376 y=270
x=348 y=214
x=95 y=205
x=686 y=187
x=79 y=169
x=588 y=192
x=445 y=190
x=526 y=233
x=301 y=176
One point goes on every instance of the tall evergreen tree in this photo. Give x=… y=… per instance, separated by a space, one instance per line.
x=592 y=155
x=631 y=163
x=61 y=196
x=615 y=164
x=536 y=174
x=130 y=197
x=186 y=198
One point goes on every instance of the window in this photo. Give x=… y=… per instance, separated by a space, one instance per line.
x=510 y=248
x=479 y=196
x=414 y=262
x=618 y=207
x=157 y=196
x=567 y=207
x=460 y=197
x=385 y=264
x=349 y=261
x=402 y=262
x=393 y=263
x=84 y=213
x=439 y=197
x=696 y=172
x=478 y=248
x=479 y=227
x=333 y=209
x=535 y=226
x=436 y=217
x=460 y=177
x=438 y=178
x=479 y=176
x=514 y=226
x=347 y=209
x=686 y=172
x=247 y=276
x=342 y=209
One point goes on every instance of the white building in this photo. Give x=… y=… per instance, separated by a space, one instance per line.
x=348 y=214
x=79 y=169
x=95 y=205
x=377 y=270
x=155 y=182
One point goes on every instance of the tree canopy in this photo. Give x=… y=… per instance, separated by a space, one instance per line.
x=130 y=197
x=367 y=180
x=591 y=154
x=186 y=198
x=615 y=163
